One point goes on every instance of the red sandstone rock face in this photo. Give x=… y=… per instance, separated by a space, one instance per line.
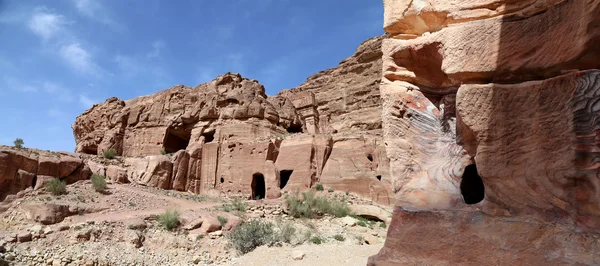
x=25 y=168
x=229 y=137
x=489 y=123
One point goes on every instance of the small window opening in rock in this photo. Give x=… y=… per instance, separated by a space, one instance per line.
x=471 y=185
x=295 y=129
x=222 y=180
x=370 y=157
x=208 y=136
x=259 y=188
x=379 y=177
x=176 y=140
x=284 y=177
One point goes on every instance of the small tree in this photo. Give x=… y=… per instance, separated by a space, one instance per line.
x=222 y=220
x=19 y=143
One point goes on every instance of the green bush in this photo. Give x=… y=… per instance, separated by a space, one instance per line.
x=287 y=232
x=310 y=206
x=110 y=153
x=382 y=225
x=169 y=219
x=361 y=223
x=339 y=237
x=163 y=152
x=330 y=190
x=317 y=240
x=236 y=205
x=99 y=182
x=319 y=187
x=56 y=187
x=222 y=220
x=252 y=234
x=19 y=143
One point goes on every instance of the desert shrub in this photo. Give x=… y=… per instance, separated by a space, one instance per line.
x=163 y=152
x=317 y=240
x=361 y=223
x=382 y=225
x=330 y=190
x=339 y=237
x=222 y=220
x=110 y=153
x=169 y=219
x=236 y=205
x=311 y=206
x=56 y=187
x=19 y=143
x=319 y=187
x=252 y=234
x=98 y=182
x=287 y=232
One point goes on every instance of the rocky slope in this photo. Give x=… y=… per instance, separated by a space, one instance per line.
x=490 y=120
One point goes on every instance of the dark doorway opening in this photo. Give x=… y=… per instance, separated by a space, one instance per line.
x=295 y=128
x=471 y=185
x=259 y=188
x=379 y=177
x=370 y=157
x=222 y=180
x=284 y=177
x=34 y=181
x=176 y=139
x=209 y=136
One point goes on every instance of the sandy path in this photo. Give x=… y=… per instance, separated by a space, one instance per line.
x=325 y=254
x=171 y=203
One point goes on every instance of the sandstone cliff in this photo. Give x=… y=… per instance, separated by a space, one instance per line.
x=490 y=123
x=229 y=137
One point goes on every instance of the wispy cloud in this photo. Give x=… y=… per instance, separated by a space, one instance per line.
x=46 y=23
x=79 y=59
x=157 y=47
x=86 y=102
x=95 y=11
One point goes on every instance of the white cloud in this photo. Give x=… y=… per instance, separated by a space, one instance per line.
x=157 y=46
x=94 y=10
x=79 y=59
x=86 y=101
x=46 y=23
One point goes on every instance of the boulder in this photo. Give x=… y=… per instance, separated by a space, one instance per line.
x=298 y=254
x=209 y=224
x=117 y=174
x=48 y=213
x=158 y=173
x=24 y=237
x=349 y=221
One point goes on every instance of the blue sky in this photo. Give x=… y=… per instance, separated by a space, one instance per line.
x=58 y=58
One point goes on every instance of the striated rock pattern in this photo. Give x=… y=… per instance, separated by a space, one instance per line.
x=489 y=119
x=227 y=136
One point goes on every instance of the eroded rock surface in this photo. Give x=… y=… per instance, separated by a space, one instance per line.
x=227 y=136
x=489 y=120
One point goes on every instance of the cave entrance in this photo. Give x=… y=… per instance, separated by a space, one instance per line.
x=176 y=139
x=471 y=185
x=209 y=136
x=284 y=177
x=295 y=128
x=259 y=188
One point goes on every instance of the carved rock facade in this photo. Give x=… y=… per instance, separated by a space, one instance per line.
x=227 y=136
